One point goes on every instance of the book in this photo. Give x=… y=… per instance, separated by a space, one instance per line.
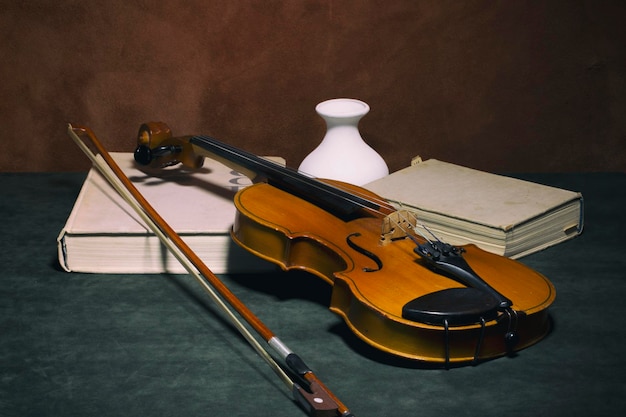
x=103 y=234
x=499 y=214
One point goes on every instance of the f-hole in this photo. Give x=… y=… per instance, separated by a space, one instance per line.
x=365 y=252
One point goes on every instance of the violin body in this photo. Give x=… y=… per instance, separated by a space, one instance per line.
x=295 y=234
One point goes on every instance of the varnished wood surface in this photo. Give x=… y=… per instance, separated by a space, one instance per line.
x=297 y=235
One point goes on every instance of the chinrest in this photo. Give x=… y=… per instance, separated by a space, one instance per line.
x=452 y=306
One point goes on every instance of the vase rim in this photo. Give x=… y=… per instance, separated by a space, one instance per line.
x=342 y=107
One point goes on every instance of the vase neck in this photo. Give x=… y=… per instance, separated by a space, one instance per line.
x=333 y=122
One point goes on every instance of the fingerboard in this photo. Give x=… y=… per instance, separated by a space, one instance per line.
x=336 y=200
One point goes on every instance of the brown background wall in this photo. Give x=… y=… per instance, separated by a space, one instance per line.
x=505 y=86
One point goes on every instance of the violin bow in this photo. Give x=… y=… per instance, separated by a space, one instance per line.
x=312 y=395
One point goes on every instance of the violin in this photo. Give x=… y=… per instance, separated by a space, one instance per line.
x=405 y=293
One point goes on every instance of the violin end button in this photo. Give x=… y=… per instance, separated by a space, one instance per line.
x=511 y=338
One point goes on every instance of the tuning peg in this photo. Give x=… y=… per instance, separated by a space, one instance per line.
x=144 y=155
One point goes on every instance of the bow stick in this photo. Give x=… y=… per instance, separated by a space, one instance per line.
x=316 y=399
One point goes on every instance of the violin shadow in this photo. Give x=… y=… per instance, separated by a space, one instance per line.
x=304 y=286
x=369 y=352
x=289 y=285
x=184 y=177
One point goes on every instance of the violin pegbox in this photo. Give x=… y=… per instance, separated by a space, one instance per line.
x=397 y=225
x=157 y=148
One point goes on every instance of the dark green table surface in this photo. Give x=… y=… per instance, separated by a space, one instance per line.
x=153 y=345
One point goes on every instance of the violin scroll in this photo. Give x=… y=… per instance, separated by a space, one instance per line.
x=157 y=148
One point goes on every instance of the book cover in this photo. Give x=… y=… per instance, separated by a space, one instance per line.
x=104 y=234
x=503 y=215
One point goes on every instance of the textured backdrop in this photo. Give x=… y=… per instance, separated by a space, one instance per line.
x=500 y=86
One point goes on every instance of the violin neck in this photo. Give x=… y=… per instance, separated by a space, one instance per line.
x=338 y=201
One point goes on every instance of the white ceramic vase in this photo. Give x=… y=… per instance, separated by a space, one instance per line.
x=343 y=154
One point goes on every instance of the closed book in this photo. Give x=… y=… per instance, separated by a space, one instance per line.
x=103 y=234
x=500 y=214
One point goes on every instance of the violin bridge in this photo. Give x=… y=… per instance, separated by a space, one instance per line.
x=397 y=225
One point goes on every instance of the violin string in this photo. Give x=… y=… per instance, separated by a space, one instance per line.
x=375 y=200
x=401 y=214
x=400 y=210
x=380 y=201
x=105 y=170
x=324 y=187
x=343 y=192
